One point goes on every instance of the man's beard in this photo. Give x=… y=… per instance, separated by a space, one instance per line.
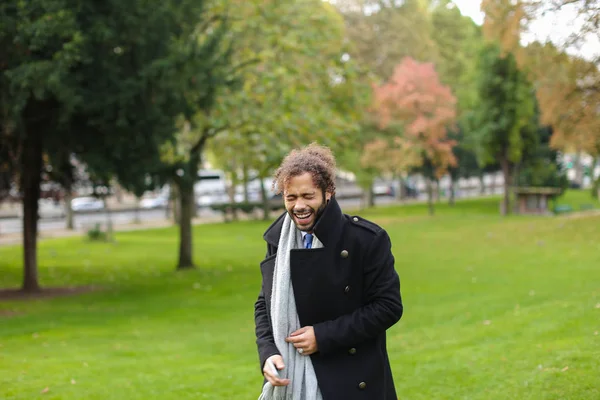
x=318 y=214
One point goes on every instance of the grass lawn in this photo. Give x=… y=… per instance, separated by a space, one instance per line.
x=494 y=309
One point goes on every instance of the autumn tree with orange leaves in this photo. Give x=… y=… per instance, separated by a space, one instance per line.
x=414 y=100
x=567 y=86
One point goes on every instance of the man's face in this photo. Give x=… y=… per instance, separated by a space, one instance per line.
x=304 y=201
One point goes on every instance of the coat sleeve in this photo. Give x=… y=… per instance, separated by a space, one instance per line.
x=382 y=306
x=264 y=333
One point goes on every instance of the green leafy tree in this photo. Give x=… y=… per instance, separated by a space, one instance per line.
x=503 y=118
x=299 y=90
x=94 y=78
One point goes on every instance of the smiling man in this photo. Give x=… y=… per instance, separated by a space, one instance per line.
x=329 y=292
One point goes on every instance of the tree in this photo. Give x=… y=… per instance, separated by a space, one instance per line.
x=466 y=160
x=95 y=78
x=504 y=114
x=299 y=90
x=382 y=33
x=414 y=98
x=566 y=84
x=458 y=42
x=504 y=23
x=583 y=33
x=566 y=102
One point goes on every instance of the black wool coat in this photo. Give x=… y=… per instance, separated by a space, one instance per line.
x=349 y=292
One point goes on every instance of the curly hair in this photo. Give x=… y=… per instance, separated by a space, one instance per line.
x=315 y=159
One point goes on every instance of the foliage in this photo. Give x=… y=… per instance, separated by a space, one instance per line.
x=567 y=85
x=96 y=234
x=299 y=89
x=504 y=119
x=541 y=165
x=458 y=41
x=383 y=33
x=505 y=107
x=566 y=105
x=94 y=80
x=414 y=98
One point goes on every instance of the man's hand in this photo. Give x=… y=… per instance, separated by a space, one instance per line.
x=276 y=361
x=304 y=338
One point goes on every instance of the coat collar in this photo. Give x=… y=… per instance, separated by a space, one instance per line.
x=328 y=228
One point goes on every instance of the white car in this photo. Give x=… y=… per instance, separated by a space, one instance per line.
x=87 y=204
x=154 y=202
x=212 y=199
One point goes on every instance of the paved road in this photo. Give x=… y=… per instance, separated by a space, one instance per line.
x=83 y=221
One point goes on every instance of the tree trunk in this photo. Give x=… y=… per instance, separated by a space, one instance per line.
x=245 y=184
x=265 y=200
x=493 y=182
x=505 y=209
x=430 y=196
x=402 y=191
x=481 y=183
x=136 y=212
x=452 y=191
x=231 y=195
x=578 y=166
x=438 y=191
x=118 y=193
x=69 y=209
x=186 y=202
x=109 y=223
x=368 y=197
x=30 y=183
x=176 y=203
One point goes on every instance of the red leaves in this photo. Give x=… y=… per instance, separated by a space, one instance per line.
x=415 y=98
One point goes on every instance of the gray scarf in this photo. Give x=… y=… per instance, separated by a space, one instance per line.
x=298 y=368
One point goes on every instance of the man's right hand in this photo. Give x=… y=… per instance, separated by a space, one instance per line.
x=277 y=360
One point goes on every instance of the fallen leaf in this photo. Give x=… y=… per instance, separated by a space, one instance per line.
x=35 y=335
x=598 y=305
x=487 y=322
x=46 y=390
x=532 y=292
x=564 y=369
x=596 y=333
x=73 y=381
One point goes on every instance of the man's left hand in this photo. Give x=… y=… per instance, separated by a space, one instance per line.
x=304 y=338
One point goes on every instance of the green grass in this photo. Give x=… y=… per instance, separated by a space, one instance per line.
x=494 y=309
x=578 y=200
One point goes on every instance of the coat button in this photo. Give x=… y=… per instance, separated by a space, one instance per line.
x=355 y=219
x=344 y=254
x=346 y=289
x=352 y=351
x=362 y=385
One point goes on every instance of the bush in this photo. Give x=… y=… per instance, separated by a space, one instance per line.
x=96 y=234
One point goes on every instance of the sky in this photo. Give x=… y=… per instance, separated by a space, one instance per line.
x=555 y=27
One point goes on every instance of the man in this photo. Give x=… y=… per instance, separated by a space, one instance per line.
x=329 y=292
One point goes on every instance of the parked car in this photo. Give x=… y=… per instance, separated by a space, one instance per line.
x=154 y=202
x=87 y=204
x=207 y=200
